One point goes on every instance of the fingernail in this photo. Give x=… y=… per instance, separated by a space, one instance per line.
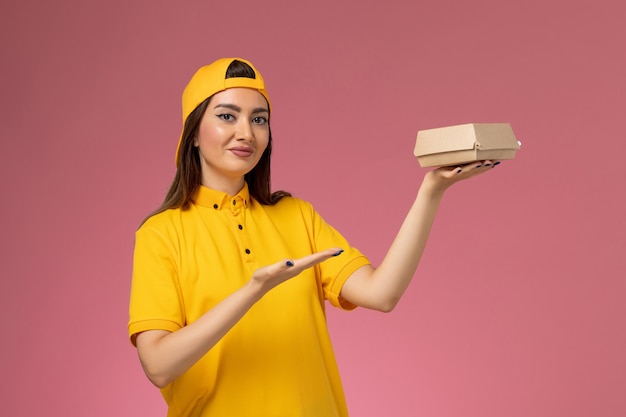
x=338 y=253
x=458 y=171
x=289 y=263
x=497 y=163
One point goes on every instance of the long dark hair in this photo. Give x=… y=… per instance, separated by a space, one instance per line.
x=188 y=175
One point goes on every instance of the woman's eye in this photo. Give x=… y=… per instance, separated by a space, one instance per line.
x=227 y=117
x=259 y=120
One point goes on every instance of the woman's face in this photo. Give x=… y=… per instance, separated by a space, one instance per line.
x=233 y=134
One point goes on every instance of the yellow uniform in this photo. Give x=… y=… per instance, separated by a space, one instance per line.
x=277 y=360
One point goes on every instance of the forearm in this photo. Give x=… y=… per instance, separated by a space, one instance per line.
x=398 y=267
x=382 y=287
x=165 y=356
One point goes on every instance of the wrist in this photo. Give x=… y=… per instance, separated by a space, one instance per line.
x=433 y=186
x=255 y=290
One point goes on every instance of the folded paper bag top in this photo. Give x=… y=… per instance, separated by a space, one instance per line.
x=462 y=144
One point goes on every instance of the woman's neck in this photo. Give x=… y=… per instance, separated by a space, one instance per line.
x=230 y=187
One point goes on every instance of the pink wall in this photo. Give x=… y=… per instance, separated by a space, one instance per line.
x=519 y=306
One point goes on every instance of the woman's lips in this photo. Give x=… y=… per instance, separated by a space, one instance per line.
x=241 y=152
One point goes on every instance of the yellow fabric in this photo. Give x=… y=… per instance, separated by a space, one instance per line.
x=211 y=79
x=278 y=360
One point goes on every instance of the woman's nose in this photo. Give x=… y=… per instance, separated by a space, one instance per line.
x=244 y=130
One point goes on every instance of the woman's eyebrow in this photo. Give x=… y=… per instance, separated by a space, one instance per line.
x=229 y=106
x=238 y=109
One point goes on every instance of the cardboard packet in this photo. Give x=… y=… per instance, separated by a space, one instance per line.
x=462 y=144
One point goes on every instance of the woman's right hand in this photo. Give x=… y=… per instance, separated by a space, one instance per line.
x=268 y=277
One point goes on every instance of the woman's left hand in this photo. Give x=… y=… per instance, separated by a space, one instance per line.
x=441 y=179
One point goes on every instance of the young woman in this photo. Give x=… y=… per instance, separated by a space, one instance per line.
x=230 y=280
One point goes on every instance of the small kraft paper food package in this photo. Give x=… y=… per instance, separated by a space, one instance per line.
x=462 y=144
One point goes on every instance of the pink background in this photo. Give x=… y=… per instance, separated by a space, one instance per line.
x=518 y=308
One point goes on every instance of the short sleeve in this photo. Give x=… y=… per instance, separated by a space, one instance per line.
x=155 y=300
x=335 y=271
